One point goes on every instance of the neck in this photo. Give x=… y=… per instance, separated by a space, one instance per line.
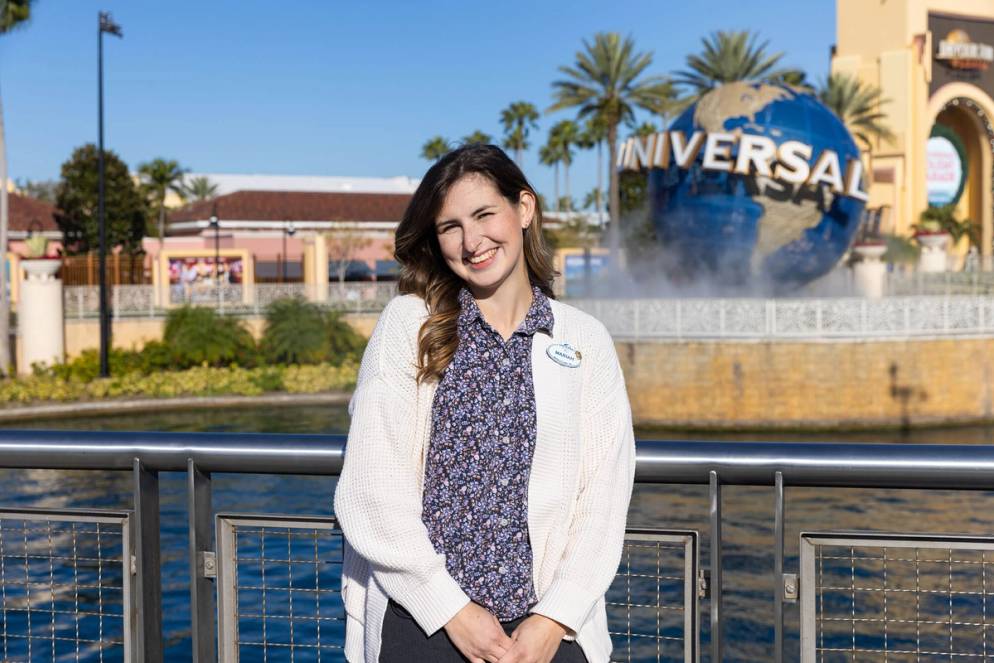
x=507 y=305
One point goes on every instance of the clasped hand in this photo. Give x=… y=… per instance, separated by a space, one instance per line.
x=476 y=633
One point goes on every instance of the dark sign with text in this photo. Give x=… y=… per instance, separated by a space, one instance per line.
x=962 y=51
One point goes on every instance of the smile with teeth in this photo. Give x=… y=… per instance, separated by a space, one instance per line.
x=483 y=257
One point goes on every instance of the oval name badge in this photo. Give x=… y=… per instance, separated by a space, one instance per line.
x=564 y=354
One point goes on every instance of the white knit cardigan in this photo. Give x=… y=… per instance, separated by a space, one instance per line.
x=578 y=490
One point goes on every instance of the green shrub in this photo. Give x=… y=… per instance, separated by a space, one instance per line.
x=198 y=381
x=86 y=366
x=300 y=332
x=196 y=335
x=294 y=332
x=346 y=343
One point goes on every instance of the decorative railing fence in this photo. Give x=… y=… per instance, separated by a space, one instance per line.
x=628 y=319
x=841 y=317
x=140 y=300
x=86 y=584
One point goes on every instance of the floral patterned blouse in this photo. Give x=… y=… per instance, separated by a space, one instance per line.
x=475 y=502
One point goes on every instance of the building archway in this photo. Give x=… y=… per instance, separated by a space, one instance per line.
x=969 y=112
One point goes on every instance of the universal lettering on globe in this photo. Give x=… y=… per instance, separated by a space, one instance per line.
x=755 y=187
x=756 y=155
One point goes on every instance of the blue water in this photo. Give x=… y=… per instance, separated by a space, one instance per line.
x=748 y=511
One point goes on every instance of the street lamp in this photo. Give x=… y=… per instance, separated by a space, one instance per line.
x=216 y=225
x=105 y=24
x=288 y=229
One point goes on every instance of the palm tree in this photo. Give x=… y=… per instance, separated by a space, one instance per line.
x=732 y=56
x=592 y=199
x=518 y=119
x=550 y=154
x=435 y=148
x=13 y=14
x=199 y=188
x=566 y=135
x=605 y=83
x=594 y=134
x=159 y=177
x=645 y=129
x=477 y=138
x=857 y=104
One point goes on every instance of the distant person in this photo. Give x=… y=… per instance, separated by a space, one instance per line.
x=490 y=457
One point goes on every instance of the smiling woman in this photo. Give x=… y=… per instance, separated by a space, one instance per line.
x=491 y=454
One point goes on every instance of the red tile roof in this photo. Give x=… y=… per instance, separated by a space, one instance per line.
x=23 y=211
x=298 y=206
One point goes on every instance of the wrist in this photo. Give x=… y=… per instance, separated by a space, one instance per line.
x=550 y=625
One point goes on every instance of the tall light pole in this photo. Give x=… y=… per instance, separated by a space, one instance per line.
x=105 y=24
x=216 y=225
x=288 y=229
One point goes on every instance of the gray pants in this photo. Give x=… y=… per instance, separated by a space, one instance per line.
x=403 y=641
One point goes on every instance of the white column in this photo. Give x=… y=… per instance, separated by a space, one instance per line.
x=869 y=274
x=320 y=268
x=933 y=255
x=40 y=316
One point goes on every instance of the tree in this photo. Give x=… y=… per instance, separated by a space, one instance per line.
x=38 y=189
x=550 y=155
x=732 y=56
x=76 y=203
x=477 y=138
x=645 y=129
x=605 y=82
x=13 y=14
x=199 y=188
x=343 y=246
x=594 y=134
x=857 y=104
x=435 y=148
x=159 y=177
x=518 y=119
x=593 y=199
x=566 y=135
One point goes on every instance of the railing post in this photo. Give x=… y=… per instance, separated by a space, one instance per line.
x=148 y=582
x=714 y=493
x=778 y=568
x=202 y=566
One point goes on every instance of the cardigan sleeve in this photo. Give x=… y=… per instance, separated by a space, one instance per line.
x=377 y=502
x=596 y=531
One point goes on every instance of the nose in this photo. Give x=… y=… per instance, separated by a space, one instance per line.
x=471 y=238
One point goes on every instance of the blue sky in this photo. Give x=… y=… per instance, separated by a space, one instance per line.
x=310 y=87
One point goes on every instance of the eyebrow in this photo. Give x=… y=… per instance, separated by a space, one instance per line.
x=475 y=212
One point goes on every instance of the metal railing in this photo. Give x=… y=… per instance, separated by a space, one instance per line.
x=653 y=603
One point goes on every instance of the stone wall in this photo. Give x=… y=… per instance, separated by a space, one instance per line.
x=850 y=384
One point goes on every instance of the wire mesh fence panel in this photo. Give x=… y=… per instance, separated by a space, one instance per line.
x=873 y=597
x=652 y=606
x=64 y=593
x=280 y=589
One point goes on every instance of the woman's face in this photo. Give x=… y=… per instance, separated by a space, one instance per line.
x=479 y=232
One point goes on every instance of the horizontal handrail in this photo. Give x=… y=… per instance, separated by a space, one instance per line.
x=949 y=466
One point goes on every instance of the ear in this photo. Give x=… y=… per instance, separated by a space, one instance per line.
x=526 y=208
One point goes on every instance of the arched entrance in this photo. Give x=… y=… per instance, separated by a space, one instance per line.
x=964 y=112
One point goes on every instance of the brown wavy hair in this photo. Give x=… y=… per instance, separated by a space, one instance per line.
x=423 y=270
